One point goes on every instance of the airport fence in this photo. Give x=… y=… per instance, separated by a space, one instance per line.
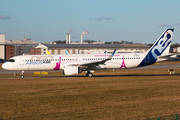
x=169 y=117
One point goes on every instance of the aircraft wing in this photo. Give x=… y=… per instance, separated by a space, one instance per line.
x=96 y=63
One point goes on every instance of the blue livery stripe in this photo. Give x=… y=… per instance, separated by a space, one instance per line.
x=158 y=48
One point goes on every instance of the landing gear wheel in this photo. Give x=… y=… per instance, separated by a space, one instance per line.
x=89 y=74
x=22 y=76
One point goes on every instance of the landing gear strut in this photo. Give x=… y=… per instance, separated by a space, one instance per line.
x=22 y=74
x=89 y=74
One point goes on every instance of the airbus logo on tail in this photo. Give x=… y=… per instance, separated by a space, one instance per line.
x=162 y=44
x=160 y=47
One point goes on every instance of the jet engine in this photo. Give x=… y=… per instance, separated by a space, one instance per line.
x=72 y=70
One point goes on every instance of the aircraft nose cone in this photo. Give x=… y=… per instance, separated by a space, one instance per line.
x=5 y=66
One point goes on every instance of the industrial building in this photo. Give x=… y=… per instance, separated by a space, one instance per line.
x=2 y=46
x=22 y=46
x=10 y=48
x=87 y=48
x=6 y=51
x=9 y=51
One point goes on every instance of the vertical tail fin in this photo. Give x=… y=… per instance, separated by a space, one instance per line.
x=66 y=52
x=160 y=47
x=47 y=52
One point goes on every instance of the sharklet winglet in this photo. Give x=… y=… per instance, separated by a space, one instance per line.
x=111 y=56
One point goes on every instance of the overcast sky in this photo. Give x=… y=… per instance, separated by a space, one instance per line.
x=139 y=21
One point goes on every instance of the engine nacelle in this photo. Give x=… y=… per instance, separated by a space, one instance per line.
x=72 y=70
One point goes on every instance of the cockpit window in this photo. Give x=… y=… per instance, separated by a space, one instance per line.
x=11 y=60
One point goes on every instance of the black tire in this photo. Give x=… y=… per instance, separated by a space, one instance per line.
x=22 y=76
x=89 y=74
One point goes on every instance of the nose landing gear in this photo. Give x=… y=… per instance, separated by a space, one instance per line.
x=22 y=74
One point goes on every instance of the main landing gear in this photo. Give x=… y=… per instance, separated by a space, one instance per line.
x=89 y=74
x=22 y=74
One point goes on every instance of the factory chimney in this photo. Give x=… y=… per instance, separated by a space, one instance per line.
x=68 y=38
x=85 y=32
x=81 y=38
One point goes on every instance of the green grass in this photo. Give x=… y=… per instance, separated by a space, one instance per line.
x=122 y=95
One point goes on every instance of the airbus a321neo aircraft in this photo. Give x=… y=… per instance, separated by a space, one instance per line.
x=72 y=64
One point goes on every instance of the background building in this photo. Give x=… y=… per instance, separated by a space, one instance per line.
x=175 y=48
x=39 y=50
x=9 y=51
x=10 y=48
x=35 y=51
x=2 y=46
x=88 y=48
x=22 y=46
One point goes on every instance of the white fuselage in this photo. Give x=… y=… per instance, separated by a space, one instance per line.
x=58 y=62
